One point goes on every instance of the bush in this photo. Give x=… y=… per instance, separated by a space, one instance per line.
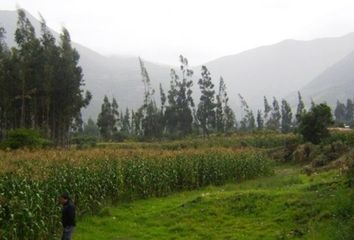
x=350 y=169
x=304 y=153
x=313 y=124
x=84 y=141
x=22 y=137
x=346 y=137
x=119 y=137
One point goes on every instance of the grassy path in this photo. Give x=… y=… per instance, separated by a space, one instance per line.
x=288 y=205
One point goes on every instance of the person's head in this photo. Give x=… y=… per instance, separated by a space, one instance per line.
x=64 y=198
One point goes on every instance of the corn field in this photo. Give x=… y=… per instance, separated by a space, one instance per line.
x=29 y=188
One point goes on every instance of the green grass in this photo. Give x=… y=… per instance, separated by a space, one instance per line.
x=288 y=205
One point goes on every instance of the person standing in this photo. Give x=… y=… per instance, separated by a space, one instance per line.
x=68 y=216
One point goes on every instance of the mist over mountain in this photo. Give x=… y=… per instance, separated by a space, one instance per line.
x=279 y=69
x=320 y=68
x=335 y=83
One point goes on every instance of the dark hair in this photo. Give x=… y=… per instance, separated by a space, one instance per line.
x=65 y=195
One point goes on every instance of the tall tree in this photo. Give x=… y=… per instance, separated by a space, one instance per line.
x=29 y=58
x=349 y=113
x=248 y=122
x=163 y=99
x=219 y=111
x=41 y=83
x=260 y=120
x=126 y=126
x=229 y=119
x=51 y=59
x=340 y=112
x=274 y=121
x=267 y=109
x=91 y=129
x=300 y=109
x=179 y=112
x=151 y=122
x=115 y=113
x=206 y=106
x=224 y=116
x=70 y=98
x=105 y=120
x=286 y=117
x=5 y=95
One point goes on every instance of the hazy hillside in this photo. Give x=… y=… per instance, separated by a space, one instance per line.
x=279 y=69
x=335 y=83
x=274 y=70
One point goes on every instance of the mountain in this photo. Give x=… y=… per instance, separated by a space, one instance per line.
x=335 y=83
x=279 y=69
x=273 y=70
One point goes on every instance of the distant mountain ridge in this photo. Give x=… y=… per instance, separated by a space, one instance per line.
x=274 y=70
x=335 y=83
x=279 y=69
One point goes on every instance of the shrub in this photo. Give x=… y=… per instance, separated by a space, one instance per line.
x=84 y=141
x=313 y=124
x=21 y=137
x=350 y=169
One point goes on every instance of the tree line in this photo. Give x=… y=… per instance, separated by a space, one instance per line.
x=177 y=115
x=344 y=113
x=41 y=88
x=40 y=82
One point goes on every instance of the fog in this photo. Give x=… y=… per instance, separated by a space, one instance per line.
x=202 y=30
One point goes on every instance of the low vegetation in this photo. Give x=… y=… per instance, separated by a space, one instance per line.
x=32 y=181
x=288 y=205
x=115 y=174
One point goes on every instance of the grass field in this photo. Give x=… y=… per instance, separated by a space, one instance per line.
x=234 y=187
x=288 y=205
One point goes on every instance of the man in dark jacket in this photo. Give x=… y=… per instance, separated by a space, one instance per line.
x=67 y=216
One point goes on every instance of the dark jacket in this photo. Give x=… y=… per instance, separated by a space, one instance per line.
x=68 y=214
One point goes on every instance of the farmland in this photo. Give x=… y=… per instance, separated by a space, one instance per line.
x=129 y=174
x=286 y=205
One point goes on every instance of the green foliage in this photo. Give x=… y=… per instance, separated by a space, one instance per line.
x=248 y=122
x=41 y=82
x=260 y=120
x=180 y=110
x=151 y=118
x=84 y=141
x=346 y=137
x=313 y=124
x=300 y=109
x=107 y=118
x=340 y=112
x=286 y=117
x=274 y=121
x=91 y=129
x=29 y=208
x=225 y=120
x=20 y=138
x=206 y=106
x=267 y=109
x=344 y=113
x=288 y=205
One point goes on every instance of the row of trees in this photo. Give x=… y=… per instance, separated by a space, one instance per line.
x=344 y=113
x=177 y=115
x=40 y=82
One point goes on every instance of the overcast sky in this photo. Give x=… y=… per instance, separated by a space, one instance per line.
x=160 y=30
